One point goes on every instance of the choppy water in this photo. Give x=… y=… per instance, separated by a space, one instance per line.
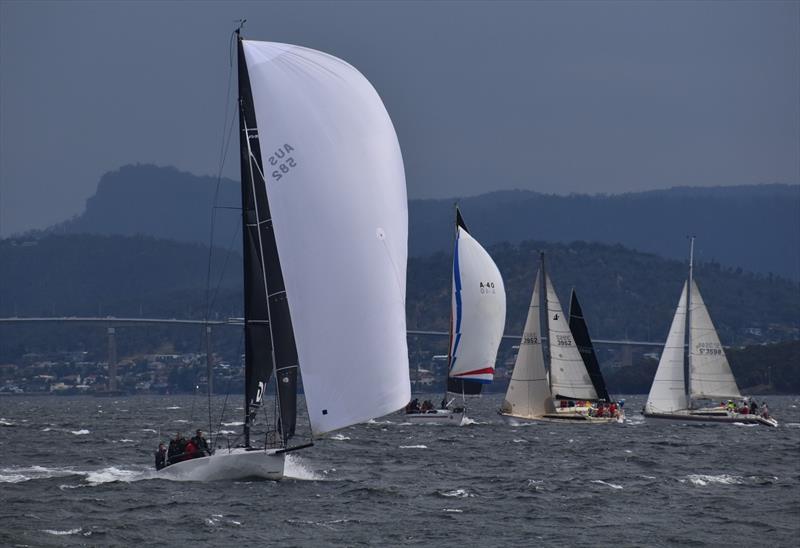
x=77 y=471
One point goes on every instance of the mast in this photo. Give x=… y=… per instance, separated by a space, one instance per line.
x=688 y=372
x=269 y=337
x=546 y=324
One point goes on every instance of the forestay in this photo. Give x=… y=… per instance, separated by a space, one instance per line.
x=528 y=394
x=568 y=375
x=709 y=371
x=668 y=392
x=336 y=188
x=478 y=311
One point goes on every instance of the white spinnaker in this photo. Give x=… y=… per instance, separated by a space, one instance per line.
x=668 y=392
x=478 y=311
x=709 y=371
x=528 y=394
x=337 y=195
x=568 y=375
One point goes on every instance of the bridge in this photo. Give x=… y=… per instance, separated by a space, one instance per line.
x=111 y=323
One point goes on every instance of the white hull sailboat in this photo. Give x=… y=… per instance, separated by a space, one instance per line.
x=477 y=321
x=325 y=229
x=677 y=396
x=532 y=392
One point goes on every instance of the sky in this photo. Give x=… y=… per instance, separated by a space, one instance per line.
x=557 y=97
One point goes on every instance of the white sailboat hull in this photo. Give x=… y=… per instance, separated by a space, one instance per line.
x=236 y=464
x=712 y=417
x=574 y=418
x=441 y=416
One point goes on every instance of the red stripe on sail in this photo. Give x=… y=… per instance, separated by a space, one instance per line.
x=484 y=371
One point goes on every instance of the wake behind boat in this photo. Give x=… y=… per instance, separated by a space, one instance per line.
x=567 y=394
x=477 y=320
x=675 y=395
x=325 y=232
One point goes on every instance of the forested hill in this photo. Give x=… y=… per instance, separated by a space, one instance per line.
x=753 y=227
x=624 y=293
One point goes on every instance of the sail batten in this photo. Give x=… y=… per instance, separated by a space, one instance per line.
x=334 y=177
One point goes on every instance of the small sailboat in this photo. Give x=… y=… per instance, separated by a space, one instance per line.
x=477 y=321
x=532 y=393
x=677 y=396
x=325 y=229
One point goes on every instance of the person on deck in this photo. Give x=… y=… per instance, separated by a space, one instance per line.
x=176 y=447
x=190 y=451
x=200 y=442
x=161 y=456
x=764 y=410
x=753 y=407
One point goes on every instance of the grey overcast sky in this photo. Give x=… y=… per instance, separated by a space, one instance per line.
x=556 y=97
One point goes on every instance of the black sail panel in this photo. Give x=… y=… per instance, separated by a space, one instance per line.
x=267 y=319
x=460 y=386
x=580 y=332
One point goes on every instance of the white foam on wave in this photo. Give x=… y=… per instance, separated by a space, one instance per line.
x=17 y=474
x=612 y=485
x=126 y=440
x=234 y=423
x=744 y=424
x=149 y=430
x=413 y=447
x=81 y=432
x=373 y=421
x=226 y=432
x=340 y=437
x=295 y=468
x=457 y=493
x=466 y=421
x=183 y=421
x=173 y=407
x=792 y=424
x=702 y=480
x=519 y=440
x=453 y=510
x=6 y=422
x=63 y=533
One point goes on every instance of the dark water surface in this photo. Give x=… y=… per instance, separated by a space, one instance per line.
x=76 y=471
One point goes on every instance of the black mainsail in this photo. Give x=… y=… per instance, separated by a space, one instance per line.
x=580 y=332
x=269 y=337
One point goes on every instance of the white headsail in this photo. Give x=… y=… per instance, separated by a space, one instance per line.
x=528 y=394
x=668 y=392
x=478 y=311
x=337 y=195
x=568 y=375
x=709 y=372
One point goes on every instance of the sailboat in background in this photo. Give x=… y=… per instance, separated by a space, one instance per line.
x=676 y=396
x=325 y=228
x=536 y=395
x=477 y=321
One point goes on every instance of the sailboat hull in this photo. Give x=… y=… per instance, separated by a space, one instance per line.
x=441 y=416
x=687 y=416
x=574 y=418
x=236 y=464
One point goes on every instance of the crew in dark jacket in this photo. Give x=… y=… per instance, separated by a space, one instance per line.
x=161 y=456
x=200 y=443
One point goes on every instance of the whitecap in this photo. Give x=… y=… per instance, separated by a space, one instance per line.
x=458 y=493
x=173 y=407
x=295 y=468
x=183 y=421
x=453 y=510
x=373 y=421
x=467 y=421
x=743 y=424
x=722 y=479
x=235 y=423
x=517 y=440
x=149 y=430
x=612 y=485
x=60 y=533
x=6 y=422
x=81 y=432
x=792 y=424
x=111 y=474
x=226 y=432
x=413 y=447
x=340 y=437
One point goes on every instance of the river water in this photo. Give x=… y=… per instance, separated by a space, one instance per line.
x=77 y=471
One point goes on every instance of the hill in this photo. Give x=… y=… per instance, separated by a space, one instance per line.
x=755 y=227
